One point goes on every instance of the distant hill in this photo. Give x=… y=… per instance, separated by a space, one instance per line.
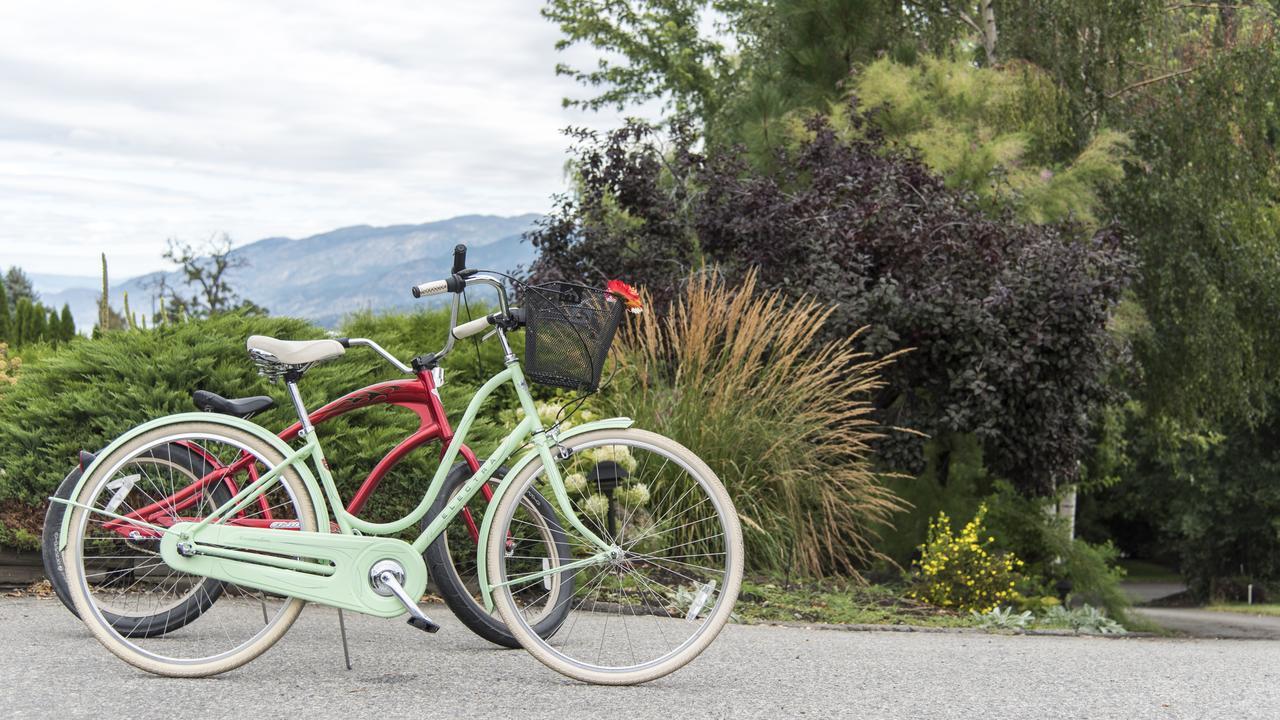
x=46 y=283
x=324 y=277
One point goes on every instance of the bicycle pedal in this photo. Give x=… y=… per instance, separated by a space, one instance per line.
x=424 y=623
x=387 y=578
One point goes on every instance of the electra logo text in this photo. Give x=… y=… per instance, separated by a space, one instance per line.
x=285 y=524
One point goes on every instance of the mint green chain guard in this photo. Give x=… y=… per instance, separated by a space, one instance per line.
x=618 y=423
x=344 y=584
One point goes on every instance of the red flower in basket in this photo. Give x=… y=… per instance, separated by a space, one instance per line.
x=628 y=294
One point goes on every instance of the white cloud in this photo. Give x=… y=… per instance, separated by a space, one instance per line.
x=124 y=123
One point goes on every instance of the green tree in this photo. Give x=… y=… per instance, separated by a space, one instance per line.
x=39 y=324
x=22 y=322
x=1094 y=50
x=990 y=132
x=975 y=16
x=5 y=320
x=205 y=269
x=654 y=49
x=783 y=54
x=66 y=323
x=19 y=285
x=1204 y=207
x=800 y=57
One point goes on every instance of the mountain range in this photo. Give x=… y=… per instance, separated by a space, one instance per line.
x=324 y=277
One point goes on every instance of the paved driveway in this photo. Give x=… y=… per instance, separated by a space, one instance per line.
x=53 y=668
x=1210 y=624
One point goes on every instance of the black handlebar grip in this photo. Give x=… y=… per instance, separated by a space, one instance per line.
x=459 y=258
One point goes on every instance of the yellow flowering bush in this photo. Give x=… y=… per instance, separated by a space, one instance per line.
x=961 y=572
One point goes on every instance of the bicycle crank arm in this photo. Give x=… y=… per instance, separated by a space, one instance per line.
x=386 y=577
x=325 y=568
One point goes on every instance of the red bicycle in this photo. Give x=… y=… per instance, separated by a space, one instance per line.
x=209 y=484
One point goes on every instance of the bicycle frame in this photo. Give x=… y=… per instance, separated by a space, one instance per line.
x=528 y=430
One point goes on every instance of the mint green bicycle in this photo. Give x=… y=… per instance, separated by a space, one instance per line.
x=642 y=559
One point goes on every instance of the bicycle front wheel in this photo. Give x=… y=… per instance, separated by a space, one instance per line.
x=674 y=574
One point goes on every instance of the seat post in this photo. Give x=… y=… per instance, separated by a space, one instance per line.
x=291 y=382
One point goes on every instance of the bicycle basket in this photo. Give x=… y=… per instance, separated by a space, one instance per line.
x=569 y=330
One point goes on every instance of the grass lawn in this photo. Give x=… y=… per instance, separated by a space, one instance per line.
x=844 y=603
x=838 y=603
x=1255 y=609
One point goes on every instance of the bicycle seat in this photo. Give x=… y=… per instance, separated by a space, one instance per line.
x=240 y=407
x=294 y=352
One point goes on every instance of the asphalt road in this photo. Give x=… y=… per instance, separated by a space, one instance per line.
x=53 y=668
x=1212 y=624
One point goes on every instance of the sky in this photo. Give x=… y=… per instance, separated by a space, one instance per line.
x=128 y=122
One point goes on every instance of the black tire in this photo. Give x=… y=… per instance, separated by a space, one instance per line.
x=49 y=539
x=458 y=596
x=142 y=626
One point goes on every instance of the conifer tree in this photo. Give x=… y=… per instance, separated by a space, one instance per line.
x=5 y=324
x=52 y=326
x=21 y=322
x=38 y=324
x=67 y=324
x=19 y=285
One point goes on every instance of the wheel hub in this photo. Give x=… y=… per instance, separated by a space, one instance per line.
x=385 y=566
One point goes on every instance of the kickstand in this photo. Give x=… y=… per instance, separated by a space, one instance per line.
x=342 y=630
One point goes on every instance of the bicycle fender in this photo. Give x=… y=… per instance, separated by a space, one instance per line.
x=317 y=496
x=617 y=423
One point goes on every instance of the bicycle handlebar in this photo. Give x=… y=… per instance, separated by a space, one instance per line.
x=474 y=327
x=435 y=287
x=460 y=279
x=459 y=258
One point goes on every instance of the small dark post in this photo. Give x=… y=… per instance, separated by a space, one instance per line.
x=607 y=476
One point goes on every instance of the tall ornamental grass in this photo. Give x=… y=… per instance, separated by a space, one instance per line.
x=785 y=420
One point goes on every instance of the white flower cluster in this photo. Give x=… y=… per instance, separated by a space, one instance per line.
x=620 y=454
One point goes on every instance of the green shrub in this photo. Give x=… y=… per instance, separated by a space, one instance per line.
x=84 y=394
x=1002 y=618
x=1085 y=619
x=964 y=571
x=1021 y=524
x=954 y=481
x=741 y=379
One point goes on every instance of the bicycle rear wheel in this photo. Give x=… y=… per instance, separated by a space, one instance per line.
x=451 y=562
x=115 y=568
x=184 y=467
x=674 y=576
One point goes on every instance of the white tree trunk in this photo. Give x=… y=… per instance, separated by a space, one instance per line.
x=989 y=34
x=1067 y=509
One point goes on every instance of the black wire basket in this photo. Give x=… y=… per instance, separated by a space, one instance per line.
x=569 y=329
